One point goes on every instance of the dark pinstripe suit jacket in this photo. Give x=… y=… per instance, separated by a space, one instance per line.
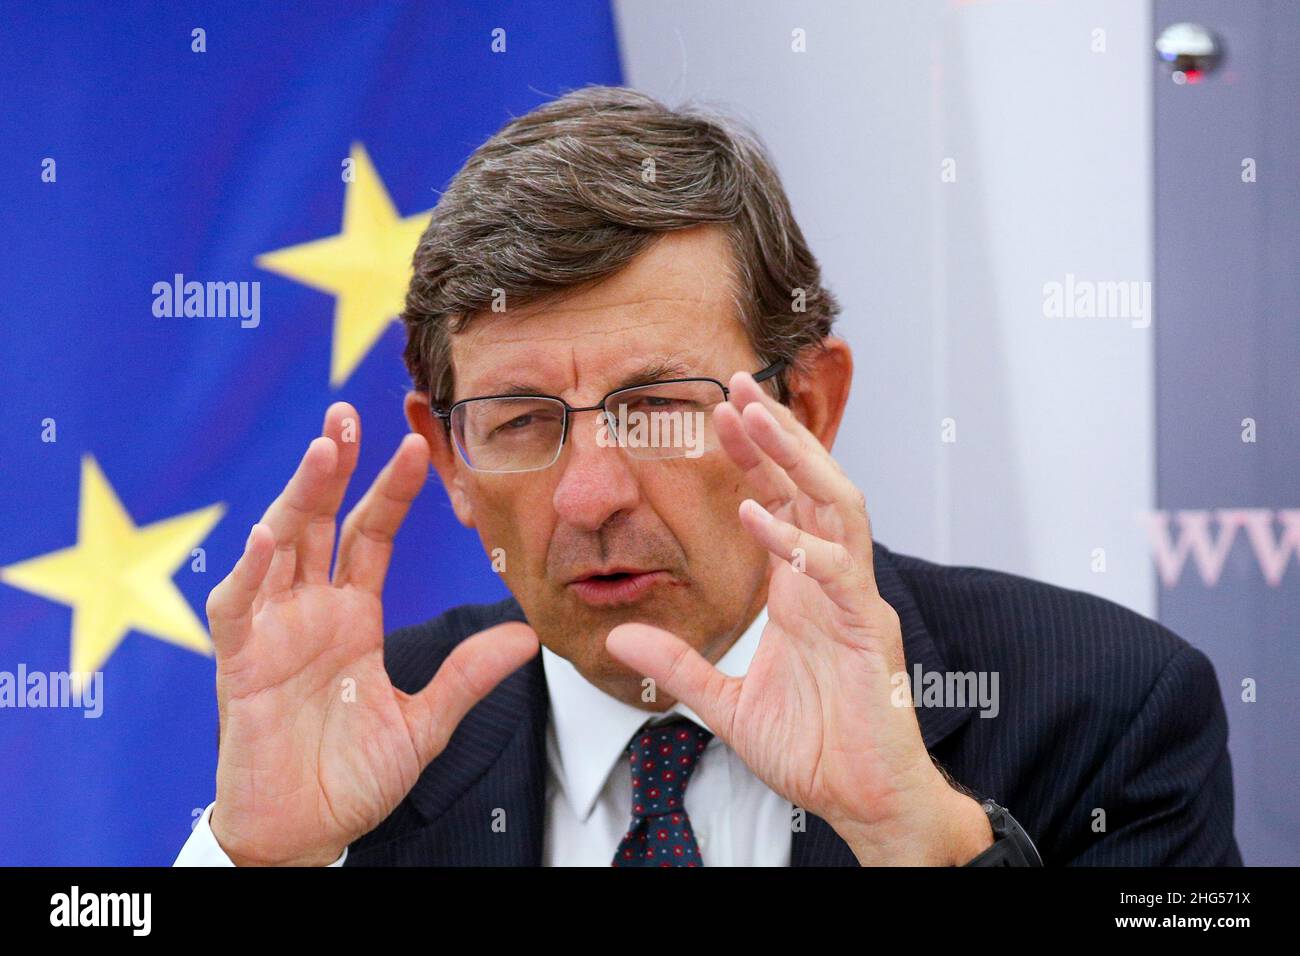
x=1101 y=709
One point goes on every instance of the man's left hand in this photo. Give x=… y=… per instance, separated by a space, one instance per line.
x=815 y=717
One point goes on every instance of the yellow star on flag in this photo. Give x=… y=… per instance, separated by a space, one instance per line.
x=118 y=577
x=366 y=267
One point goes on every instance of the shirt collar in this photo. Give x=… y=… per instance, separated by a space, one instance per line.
x=591 y=729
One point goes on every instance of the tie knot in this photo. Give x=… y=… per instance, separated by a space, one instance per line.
x=662 y=758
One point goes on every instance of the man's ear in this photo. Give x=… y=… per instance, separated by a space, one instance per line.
x=818 y=398
x=441 y=454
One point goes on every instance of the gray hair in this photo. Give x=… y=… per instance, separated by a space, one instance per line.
x=572 y=191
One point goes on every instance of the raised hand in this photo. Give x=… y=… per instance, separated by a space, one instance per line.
x=817 y=715
x=317 y=747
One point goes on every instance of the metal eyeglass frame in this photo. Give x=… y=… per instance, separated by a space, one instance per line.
x=445 y=413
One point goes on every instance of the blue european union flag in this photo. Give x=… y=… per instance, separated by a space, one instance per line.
x=210 y=215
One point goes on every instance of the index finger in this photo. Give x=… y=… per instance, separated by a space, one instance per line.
x=745 y=391
x=366 y=542
x=779 y=435
x=773 y=487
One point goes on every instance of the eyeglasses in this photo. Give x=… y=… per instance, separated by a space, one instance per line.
x=502 y=434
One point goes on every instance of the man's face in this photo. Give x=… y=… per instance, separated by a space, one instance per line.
x=597 y=506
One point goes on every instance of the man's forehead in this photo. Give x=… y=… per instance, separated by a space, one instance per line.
x=698 y=344
x=666 y=312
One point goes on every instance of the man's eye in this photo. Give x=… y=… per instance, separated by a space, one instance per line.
x=515 y=424
x=662 y=401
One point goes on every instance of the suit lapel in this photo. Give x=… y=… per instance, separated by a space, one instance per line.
x=484 y=796
x=818 y=844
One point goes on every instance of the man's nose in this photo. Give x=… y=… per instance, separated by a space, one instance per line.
x=597 y=479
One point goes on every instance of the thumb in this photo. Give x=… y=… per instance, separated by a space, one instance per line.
x=680 y=670
x=471 y=670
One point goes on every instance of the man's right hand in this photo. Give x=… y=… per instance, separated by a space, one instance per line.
x=317 y=747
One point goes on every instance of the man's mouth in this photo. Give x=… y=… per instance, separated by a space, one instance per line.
x=617 y=587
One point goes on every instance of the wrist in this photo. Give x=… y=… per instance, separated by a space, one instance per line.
x=240 y=856
x=970 y=833
x=944 y=828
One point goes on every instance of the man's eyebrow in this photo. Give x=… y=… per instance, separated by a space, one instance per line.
x=515 y=388
x=653 y=371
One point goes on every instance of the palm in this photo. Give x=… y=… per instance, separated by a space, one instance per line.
x=803 y=708
x=326 y=719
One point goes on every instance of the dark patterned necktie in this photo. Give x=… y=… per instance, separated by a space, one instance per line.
x=662 y=758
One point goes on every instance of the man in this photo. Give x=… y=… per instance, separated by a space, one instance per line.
x=625 y=377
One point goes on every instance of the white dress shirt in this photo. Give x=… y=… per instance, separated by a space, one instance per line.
x=737 y=819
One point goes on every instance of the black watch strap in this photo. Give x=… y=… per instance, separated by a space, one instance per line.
x=1011 y=844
